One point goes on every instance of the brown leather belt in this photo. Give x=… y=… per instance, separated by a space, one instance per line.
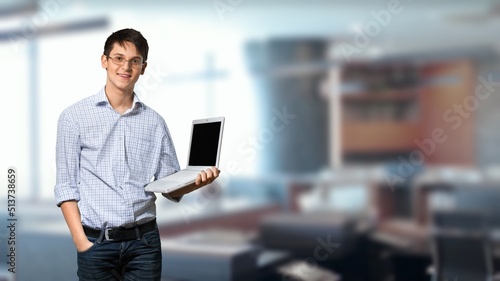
x=121 y=233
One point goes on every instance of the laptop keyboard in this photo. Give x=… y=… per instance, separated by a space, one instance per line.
x=183 y=175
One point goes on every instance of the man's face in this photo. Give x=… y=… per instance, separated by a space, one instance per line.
x=123 y=66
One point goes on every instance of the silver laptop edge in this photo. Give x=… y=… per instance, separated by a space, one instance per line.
x=200 y=121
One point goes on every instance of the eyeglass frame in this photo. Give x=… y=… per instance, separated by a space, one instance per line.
x=126 y=61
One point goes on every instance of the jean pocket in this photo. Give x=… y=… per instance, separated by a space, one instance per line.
x=151 y=239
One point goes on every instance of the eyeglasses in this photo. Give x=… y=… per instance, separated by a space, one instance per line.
x=119 y=60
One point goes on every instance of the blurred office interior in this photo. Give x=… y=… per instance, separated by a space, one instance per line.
x=360 y=142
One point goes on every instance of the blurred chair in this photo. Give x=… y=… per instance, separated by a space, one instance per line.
x=465 y=220
x=461 y=247
x=303 y=234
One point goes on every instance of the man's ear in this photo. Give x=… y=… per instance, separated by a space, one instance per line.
x=104 y=62
x=144 y=68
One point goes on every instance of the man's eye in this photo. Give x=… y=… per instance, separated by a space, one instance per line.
x=119 y=59
x=136 y=61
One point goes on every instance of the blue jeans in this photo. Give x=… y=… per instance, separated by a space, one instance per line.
x=127 y=260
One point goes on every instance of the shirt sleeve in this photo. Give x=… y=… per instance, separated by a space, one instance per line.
x=168 y=160
x=67 y=160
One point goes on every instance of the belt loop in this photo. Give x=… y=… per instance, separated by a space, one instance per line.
x=101 y=235
x=137 y=233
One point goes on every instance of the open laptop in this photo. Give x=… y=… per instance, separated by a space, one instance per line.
x=204 y=152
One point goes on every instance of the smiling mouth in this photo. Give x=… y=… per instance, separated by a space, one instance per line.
x=124 y=75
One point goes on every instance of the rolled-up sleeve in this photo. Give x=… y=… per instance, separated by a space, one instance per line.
x=169 y=163
x=67 y=160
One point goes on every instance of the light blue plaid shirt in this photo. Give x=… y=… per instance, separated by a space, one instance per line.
x=105 y=159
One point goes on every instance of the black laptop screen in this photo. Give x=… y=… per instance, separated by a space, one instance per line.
x=204 y=144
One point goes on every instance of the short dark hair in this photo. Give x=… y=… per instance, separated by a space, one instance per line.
x=127 y=35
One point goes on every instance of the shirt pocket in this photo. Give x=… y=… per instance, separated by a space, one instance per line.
x=92 y=138
x=140 y=153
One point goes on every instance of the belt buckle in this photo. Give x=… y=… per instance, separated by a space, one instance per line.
x=106 y=234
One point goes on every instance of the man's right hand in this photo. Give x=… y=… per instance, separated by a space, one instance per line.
x=83 y=245
x=72 y=217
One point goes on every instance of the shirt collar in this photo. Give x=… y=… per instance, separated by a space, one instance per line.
x=102 y=99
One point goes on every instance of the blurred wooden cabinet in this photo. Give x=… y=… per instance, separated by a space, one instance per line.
x=449 y=103
x=398 y=108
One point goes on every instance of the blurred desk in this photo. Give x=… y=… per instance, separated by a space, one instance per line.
x=404 y=251
x=399 y=250
x=244 y=219
x=402 y=247
x=413 y=239
x=213 y=255
x=305 y=233
x=452 y=180
x=403 y=236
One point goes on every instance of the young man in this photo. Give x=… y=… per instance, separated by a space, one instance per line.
x=109 y=146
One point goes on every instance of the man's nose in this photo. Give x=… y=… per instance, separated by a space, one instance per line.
x=127 y=64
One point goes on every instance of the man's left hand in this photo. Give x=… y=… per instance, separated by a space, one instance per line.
x=202 y=179
x=207 y=176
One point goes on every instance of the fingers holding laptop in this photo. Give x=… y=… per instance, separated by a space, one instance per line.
x=202 y=179
x=207 y=176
